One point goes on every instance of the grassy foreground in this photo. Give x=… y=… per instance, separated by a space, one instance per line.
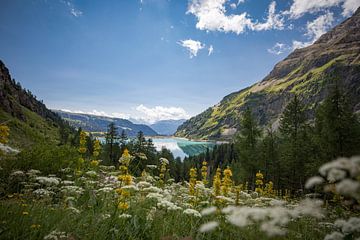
x=100 y=202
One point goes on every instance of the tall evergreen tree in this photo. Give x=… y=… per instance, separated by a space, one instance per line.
x=293 y=129
x=337 y=127
x=111 y=142
x=247 y=144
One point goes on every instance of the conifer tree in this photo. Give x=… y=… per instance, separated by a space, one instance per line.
x=247 y=143
x=337 y=127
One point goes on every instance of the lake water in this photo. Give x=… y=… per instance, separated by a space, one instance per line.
x=181 y=147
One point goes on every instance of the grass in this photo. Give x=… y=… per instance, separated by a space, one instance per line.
x=34 y=129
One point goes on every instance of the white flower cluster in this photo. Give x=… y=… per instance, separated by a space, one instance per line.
x=343 y=172
x=48 y=181
x=345 y=229
x=57 y=235
x=271 y=219
x=164 y=204
x=192 y=212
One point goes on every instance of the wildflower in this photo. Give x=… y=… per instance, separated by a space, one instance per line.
x=35 y=226
x=94 y=163
x=97 y=148
x=4 y=133
x=207 y=227
x=163 y=168
x=334 y=236
x=208 y=211
x=259 y=182
x=204 y=171
x=25 y=213
x=192 y=181
x=48 y=181
x=123 y=205
x=82 y=147
x=125 y=216
x=269 y=189
x=217 y=182
x=192 y=212
x=227 y=182
x=313 y=181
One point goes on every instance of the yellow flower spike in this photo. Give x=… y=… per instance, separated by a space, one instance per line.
x=97 y=148
x=259 y=182
x=34 y=226
x=123 y=205
x=217 y=182
x=192 y=181
x=204 y=171
x=4 y=134
x=227 y=181
x=94 y=163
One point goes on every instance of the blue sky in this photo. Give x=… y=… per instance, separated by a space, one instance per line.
x=151 y=59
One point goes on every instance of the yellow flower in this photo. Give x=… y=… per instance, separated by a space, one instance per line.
x=25 y=213
x=4 y=134
x=35 y=226
x=217 y=182
x=94 y=163
x=192 y=181
x=204 y=171
x=123 y=205
x=227 y=181
x=24 y=205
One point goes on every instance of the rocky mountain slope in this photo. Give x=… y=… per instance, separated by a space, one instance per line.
x=308 y=72
x=92 y=123
x=30 y=121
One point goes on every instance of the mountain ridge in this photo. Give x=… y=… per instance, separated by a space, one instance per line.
x=308 y=72
x=95 y=123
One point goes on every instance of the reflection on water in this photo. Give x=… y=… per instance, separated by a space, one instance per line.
x=171 y=144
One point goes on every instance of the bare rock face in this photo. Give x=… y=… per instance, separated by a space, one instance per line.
x=309 y=72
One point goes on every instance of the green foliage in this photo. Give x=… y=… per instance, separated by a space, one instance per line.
x=44 y=157
x=337 y=127
x=247 y=146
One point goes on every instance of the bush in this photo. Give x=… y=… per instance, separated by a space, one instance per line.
x=49 y=159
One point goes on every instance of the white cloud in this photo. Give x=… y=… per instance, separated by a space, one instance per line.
x=315 y=29
x=157 y=113
x=300 y=7
x=278 y=48
x=298 y=44
x=210 y=50
x=274 y=21
x=211 y=16
x=73 y=10
x=192 y=46
x=319 y=26
x=76 y=13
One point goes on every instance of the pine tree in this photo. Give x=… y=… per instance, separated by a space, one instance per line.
x=293 y=129
x=337 y=128
x=111 y=140
x=247 y=144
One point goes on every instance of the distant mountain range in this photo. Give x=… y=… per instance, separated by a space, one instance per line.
x=93 y=123
x=167 y=127
x=308 y=72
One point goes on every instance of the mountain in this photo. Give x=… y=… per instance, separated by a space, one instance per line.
x=93 y=123
x=167 y=127
x=30 y=121
x=309 y=72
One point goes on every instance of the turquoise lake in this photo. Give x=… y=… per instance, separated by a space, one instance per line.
x=181 y=147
